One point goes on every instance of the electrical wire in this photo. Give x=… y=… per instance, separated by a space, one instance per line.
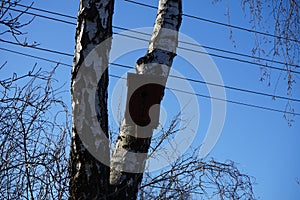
x=186 y=92
x=219 y=56
x=38 y=15
x=128 y=67
x=224 y=100
x=173 y=76
x=43 y=10
x=183 y=48
x=37 y=48
x=182 y=42
x=36 y=57
x=214 y=49
x=191 y=50
x=218 y=85
x=121 y=28
x=219 y=23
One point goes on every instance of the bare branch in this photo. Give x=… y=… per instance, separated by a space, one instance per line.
x=33 y=145
x=190 y=177
x=12 y=22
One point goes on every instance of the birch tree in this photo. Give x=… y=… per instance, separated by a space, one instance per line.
x=40 y=170
x=89 y=178
x=122 y=177
x=130 y=154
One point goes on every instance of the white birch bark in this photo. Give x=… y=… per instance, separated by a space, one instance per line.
x=130 y=152
x=89 y=178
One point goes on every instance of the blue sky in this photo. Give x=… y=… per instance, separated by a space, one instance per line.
x=260 y=141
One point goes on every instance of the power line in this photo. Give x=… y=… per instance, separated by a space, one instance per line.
x=240 y=60
x=219 y=56
x=36 y=57
x=224 y=100
x=128 y=67
x=173 y=76
x=189 y=79
x=41 y=16
x=218 y=85
x=46 y=11
x=183 y=42
x=126 y=29
x=238 y=89
x=219 y=23
x=214 y=48
x=154 y=7
x=121 y=28
x=67 y=16
x=183 y=48
x=237 y=102
x=38 y=48
x=239 y=54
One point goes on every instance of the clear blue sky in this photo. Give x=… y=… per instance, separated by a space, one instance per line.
x=260 y=141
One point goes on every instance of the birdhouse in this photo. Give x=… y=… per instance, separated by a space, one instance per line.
x=144 y=91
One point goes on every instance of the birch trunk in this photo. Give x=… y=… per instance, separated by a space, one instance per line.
x=89 y=178
x=156 y=63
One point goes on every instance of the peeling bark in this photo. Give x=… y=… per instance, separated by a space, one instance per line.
x=89 y=178
x=130 y=153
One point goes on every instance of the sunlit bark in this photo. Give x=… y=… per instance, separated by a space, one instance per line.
x=89 y=177
x=131 y=149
